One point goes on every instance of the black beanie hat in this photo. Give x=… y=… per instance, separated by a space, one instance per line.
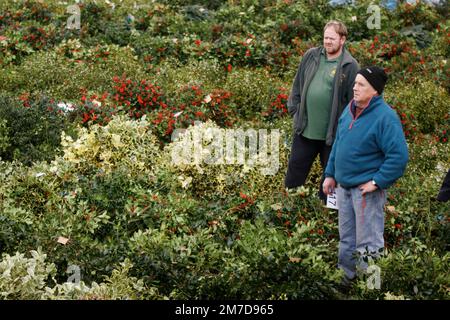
x=376 y=77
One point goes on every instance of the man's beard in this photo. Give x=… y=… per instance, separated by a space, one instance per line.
x=333 y=50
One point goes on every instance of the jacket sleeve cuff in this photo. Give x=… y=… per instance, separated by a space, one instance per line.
x=381 y=183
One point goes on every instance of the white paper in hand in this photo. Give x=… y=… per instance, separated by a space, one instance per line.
x=332 y=201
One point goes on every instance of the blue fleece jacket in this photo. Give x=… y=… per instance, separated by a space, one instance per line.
x=370 y=146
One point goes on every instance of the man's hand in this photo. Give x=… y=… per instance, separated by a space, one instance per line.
x=329 y=185
x=367 y=187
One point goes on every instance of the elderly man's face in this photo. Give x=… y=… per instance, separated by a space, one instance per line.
x=332 y=42
x=363 y=91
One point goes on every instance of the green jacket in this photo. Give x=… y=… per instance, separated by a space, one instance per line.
x=342 y=90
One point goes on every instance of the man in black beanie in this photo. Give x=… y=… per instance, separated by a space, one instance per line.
x=369 y=154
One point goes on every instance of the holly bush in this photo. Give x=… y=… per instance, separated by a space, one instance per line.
x=31 y=128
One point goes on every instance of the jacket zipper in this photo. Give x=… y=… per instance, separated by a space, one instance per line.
x=356 y=118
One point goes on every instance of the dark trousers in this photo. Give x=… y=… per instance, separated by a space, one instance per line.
x=303 y=153
x=444 y=192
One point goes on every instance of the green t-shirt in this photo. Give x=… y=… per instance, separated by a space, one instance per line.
x=319 y=99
